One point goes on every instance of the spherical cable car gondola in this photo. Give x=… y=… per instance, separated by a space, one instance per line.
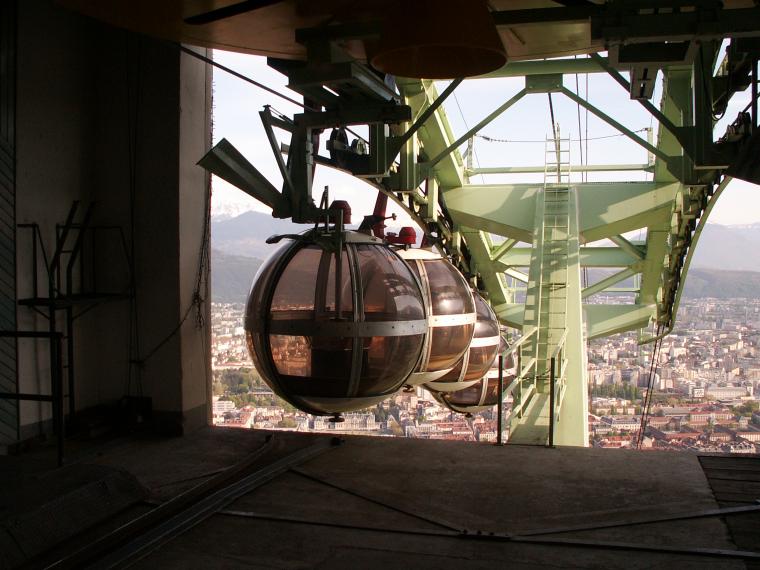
x=481 y=395
x=451 y=314
x=481 y=354
x=335 y=321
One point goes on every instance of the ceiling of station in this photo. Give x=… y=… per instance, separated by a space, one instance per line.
x=270 y=29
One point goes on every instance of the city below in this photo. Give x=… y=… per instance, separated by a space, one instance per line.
x=706 y=386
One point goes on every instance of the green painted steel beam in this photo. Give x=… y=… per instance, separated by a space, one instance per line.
x=500 y=209
x=498 y=252
x=479 y=245
x=634 y=250
x=652 y=267
x=615 y=124
x=493 y=115
x=547 y=67
x=511 y=314
x=695 y=240
x=591 y=256
x=601 y=320
x=606 y=320
x=661 y=118
x=427 y=113
x=677 y=106
x=665 y=208
x=612 y=209
x=515 y=274
x=608 y=282
x=606 y=208
x=436 y=134
x=572 y=430
x=572 y=168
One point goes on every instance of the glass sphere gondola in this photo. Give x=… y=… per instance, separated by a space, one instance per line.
x=481 y=395
x=333 y=332
x=451 y=314
x=478 y=359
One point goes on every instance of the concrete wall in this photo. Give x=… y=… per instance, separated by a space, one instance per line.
x=116 y=119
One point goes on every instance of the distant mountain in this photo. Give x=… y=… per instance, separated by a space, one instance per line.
x=246 y=234
x=231 y=276
x=726 y=263
x=722 y=284
x=730 y=248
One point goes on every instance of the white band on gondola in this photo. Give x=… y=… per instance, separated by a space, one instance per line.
x=308 y=327
x=485 y=341
x=452 y=320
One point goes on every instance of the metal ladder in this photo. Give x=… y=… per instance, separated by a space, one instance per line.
x=549 y=276
x=557 y=159
x=554 y=256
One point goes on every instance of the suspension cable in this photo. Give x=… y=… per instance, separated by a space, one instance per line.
x=647 y=403
x=585 y=139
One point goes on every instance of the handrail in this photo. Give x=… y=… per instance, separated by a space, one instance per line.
x=522 y=372
x=520 y=341
x=560 y=344
x=556 y=383
x=532 y=363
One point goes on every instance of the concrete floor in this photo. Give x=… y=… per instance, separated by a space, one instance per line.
x=383 y=502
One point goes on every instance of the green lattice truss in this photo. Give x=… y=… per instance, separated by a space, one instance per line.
x=672 y=209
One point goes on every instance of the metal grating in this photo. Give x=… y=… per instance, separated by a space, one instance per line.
x=8 y=372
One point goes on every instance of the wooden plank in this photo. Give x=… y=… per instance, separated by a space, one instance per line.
x=750 y=488
x=736 y=498
x=730 y=463
x=733 y=475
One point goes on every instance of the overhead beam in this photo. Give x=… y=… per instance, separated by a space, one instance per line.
x=505 y=210
x=479 y=246
x=494 y=114
x=607 y=21
x=601 y=320
x=610 y=209
x=230 y=165
x=546 y=67
x=628 y=247
x=607 y=282
x=610 y=22
x=545 y=15
x=511 y=314
x=605 y=320
x=606 y=208
x=502 y=249
x=515 y=274
x=613 y=123
x=590 y=256
x=565 y=168
x=425 y=115
x=625 y=84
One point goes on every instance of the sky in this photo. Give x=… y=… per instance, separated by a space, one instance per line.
x=526 y=125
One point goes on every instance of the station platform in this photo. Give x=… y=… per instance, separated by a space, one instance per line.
x=238 y=498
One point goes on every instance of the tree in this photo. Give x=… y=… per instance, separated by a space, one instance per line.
x=747 y=409
x=381 y=415
x=287 y=423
